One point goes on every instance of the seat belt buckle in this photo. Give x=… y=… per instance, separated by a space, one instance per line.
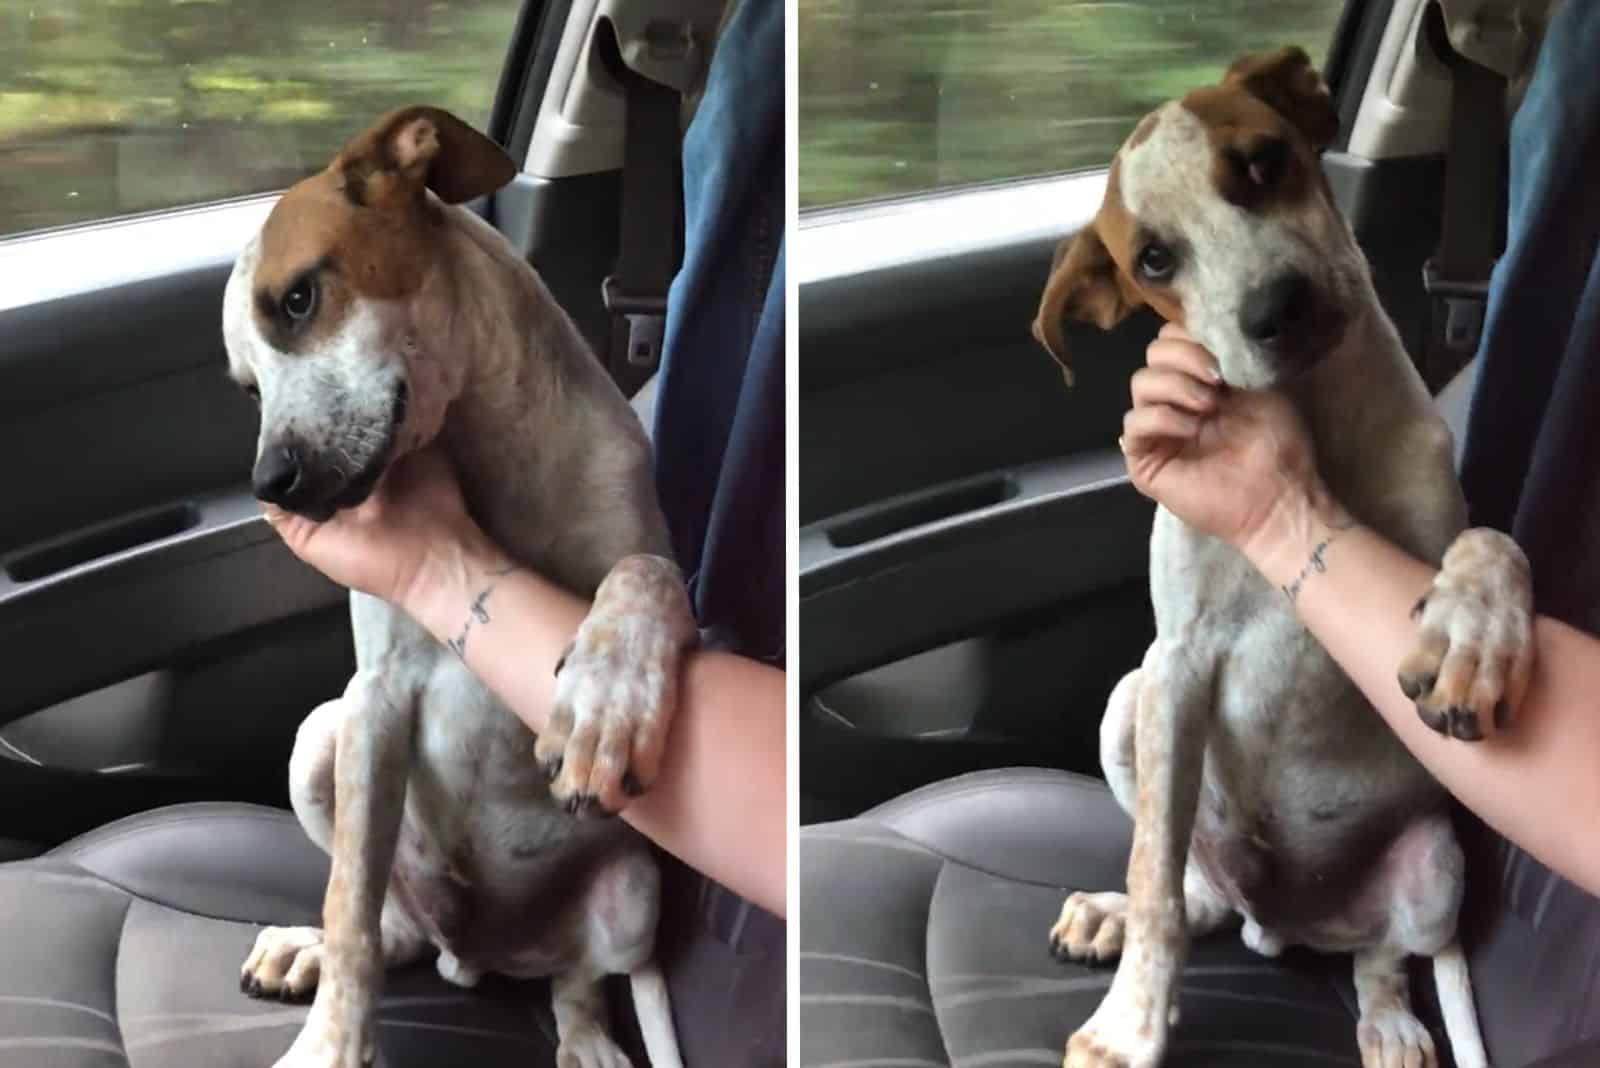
x=1459 y=308
x=647 y=321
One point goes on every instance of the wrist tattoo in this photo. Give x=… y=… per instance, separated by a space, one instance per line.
x=477 y=612
x=1315 y=564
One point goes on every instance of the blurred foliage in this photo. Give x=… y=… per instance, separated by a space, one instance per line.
x=900 y=96
x=109 y=107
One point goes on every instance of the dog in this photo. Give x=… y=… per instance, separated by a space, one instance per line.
x=1260 y=781
x=371 y=316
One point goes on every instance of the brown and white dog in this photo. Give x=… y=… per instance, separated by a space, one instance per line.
x=371 y=316
x=1260 y=781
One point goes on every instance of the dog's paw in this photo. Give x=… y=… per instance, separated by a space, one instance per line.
x=328 y=1043
x=1118 y=1035
x=285 y=963
x=617 y=688
x=588 y=1046
x=1474 y=652
x=1090 y=927
x=1394 y=1038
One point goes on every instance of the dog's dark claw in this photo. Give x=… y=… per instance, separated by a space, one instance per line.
x=574 y=804
x=1464 y=724
x=631 y=785
x=1418 y=608
x=552 y=768
x=1416 y=687
x=1059 y=951
x=1435 y=721
x=562 y=662
x=1502 y=712
x=244 y=982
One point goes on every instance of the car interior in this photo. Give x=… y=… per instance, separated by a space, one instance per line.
x=161 y=644
x=973 y=582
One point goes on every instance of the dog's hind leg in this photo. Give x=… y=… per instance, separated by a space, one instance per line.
x=617 y=927
x=1409 y=905
x=286 y=962
x=1389 y=1034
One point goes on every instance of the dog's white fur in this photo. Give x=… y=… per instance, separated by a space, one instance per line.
x=1261 y=782
x=446 y=835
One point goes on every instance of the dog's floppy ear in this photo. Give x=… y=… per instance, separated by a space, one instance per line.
x=418 y=147
x=1084 y=284
x=1285 y=79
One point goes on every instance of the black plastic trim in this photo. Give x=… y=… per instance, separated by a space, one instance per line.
x=535 y=42
x=1355 y=49
x=1073 y=525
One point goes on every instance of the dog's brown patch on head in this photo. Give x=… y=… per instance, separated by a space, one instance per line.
x=1142 y=132
x=1092 y=277
x=365 y=226
x=1269 y=120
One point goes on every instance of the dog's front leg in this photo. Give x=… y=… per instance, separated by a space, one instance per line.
x=1474 y=654
x=617 y=687
x=1129 y=1029
x=370 y=772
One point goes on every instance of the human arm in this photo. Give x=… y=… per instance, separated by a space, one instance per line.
x=719 y=800
x=1240 y=466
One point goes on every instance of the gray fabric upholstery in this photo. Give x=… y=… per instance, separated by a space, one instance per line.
x=924 y=927
x=123 y=947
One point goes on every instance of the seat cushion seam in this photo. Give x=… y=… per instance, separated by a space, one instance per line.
x=116 y=994
x=97 y=838
x=982 y=781
x=927 y=961
x=134 y=895
x=970 y=866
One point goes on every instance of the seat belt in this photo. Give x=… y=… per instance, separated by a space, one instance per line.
x=650 y=235
x=1457 y=276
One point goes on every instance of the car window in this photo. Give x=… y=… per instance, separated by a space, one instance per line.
x=917 y=95
x=112 y=108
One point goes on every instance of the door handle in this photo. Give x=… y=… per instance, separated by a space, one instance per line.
x=129 y=531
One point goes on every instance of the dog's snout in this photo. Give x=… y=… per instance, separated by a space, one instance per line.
x=1272 y=311
x=278 y=475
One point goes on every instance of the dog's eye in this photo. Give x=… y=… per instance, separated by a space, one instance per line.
x=301 y=300
x=1266 y=161
x=1156 y=262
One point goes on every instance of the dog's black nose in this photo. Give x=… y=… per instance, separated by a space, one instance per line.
x=278 y=475
x=1272 y=311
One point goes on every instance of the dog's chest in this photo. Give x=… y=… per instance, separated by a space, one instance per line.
x=1301 y=779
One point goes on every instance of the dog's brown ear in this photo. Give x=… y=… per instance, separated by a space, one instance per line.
x=1084 y=284
x=418 y=147
x=1285 y=79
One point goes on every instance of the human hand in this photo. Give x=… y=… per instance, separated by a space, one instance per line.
x=1227 y=462
x=414 y=525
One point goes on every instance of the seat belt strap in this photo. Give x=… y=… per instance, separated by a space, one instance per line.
x=1457 y=276
x=650 y=234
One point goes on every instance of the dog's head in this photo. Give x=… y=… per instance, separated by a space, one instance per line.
x=333 y=312
x=1217 y=215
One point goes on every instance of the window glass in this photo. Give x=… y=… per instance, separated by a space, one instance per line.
x=903 y=96
x=109 y=107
